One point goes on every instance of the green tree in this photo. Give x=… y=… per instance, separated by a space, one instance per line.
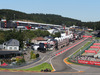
x=2 y=38
x=33 y=56
x=56 y=35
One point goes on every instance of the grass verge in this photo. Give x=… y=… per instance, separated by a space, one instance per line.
x=40 y=67
x=35 y=69
x=97 y=38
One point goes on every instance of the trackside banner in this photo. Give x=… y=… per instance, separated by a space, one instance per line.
x=90 y=51
x=89 y=62
x=96 y=44
x=87 y=36
x=95 y=47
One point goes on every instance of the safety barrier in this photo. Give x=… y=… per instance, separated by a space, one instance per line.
x=96 y=44
x=95 y=47
x=90 y=51
x=89 y=62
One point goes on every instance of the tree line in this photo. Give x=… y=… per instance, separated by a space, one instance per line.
x=46 y=18
x=36 y=17
x=21 y=35
x=26 y=35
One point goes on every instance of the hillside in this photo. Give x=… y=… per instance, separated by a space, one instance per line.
x=42 y=18
x=46 y=18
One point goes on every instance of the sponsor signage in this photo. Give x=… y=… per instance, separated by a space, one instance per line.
x=87 y=36
x=90 y=51
x=89 y=62
x=96 y=44
x=95 y=47
x=28 y=27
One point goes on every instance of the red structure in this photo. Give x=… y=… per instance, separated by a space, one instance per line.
x=95 y=47
x=4 y=64
x=96 y=44
x=5 y=23
x=90 y=51
x=89 y=62
x=17 y=23
x=28 y=27
x=87 y=36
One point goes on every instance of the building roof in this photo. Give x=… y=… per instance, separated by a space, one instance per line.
x=39 y=39
x=12 y=42
x=20 y=57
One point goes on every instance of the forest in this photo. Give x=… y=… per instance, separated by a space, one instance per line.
x=36 y=17
x=46 y=18
x=21 y=35
x=26 y=35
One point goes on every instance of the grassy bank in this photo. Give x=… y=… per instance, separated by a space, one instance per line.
x=97 y=37
x=41 y=67
x=36 y=68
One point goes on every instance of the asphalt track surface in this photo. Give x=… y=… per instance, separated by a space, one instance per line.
x=58 y=63
x=21 y=73
x=63 y=68
x=47 y=57
x=52 y=73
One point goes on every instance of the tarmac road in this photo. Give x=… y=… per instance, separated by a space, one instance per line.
x=36 y=63
x=58 y=63
x=62 y=68
x=46 y=57
x=62 y=73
